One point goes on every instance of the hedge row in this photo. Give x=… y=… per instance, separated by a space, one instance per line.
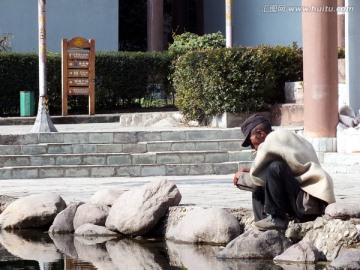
x=206 y=82
x=123 y=79
x=240 y=79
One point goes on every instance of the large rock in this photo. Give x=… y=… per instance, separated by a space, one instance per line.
x=254 y=244
x=343 y=210
x=301 y=252
x=213 y=226
x=137 y=211
x=91 y=213
x=5 y=201
x=63 y=222
x=106 y=196
x=348 y=259
x=32 y=211
x=330 y=235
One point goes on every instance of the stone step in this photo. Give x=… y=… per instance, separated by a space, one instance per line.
x=174 y=157
x=121 y=137
x=142 y=147
x=347 y=163
x=140 y=170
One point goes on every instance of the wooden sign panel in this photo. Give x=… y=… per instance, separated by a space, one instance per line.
x=78 y=71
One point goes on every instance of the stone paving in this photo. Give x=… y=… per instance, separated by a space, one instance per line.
x=205 y=190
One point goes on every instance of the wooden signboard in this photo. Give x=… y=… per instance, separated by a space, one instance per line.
x=78 y=71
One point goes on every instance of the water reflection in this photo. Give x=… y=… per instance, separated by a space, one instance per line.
x=38 y=250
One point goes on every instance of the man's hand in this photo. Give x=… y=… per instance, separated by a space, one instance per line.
x=238 y=174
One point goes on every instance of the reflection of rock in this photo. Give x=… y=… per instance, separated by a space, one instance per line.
x=65 y=243
x=127 y=254
x=32 y=211
x=93 y=253
x=213 y=225
x=38 y=247
x=296 y=266
x=137 y=211
x=194 y=257
x=63 y=222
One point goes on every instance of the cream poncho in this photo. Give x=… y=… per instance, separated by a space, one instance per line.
x=300 y=155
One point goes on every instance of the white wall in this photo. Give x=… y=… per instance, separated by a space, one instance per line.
x=254 y=23
x=95 y=19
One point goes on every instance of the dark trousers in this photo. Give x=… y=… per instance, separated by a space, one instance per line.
x=278 y=196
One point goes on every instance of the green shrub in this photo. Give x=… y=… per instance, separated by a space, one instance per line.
x=341 y=53
x=188 y=41
x=222 y=80
x=122 y=80
x=237 y=80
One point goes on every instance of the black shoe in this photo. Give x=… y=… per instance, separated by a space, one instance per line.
x=271 y=223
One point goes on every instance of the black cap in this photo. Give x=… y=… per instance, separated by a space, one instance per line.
x=249 y=124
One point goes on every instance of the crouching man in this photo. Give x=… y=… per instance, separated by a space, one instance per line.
x=286 y=178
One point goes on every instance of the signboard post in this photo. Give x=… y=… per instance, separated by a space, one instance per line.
x=78 y=71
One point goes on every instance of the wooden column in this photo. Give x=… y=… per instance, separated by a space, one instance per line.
x=155 y=35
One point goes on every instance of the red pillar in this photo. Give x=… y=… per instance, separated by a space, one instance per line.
x=341 y=25
x=319 y=26
x=155 y=36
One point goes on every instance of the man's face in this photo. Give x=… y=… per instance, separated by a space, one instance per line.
x=257 y=136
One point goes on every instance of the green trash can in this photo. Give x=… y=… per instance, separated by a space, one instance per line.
x=27 y=103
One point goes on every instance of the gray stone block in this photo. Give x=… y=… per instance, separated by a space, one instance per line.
x=12 y=161
x=51 y=172
x=146 y=158
x=53 y=137
x=230 y=145
x=42 y=160
x=32 y=149
x=166 y=158
x=109 y=148
x=201 y=169
x=76 y=138
x=149 y=136
x=5 y=173
x=158 y=146
x=84 y=148
x=132 y=171
x=104 y=137
x=10 y=150
x=216 y=157
x=177 y=169
x=192 y=158
x=173 y=135
x=68 y=160
x=94 y=160
x=121 y=159
x=183 y=146
x=245 y=155
x=225 y=168
x=134 y=148
x=153 y=170
x=207 y=146
x=77 y=172
x=106 y=171
x=125 y=137
x=59 y=149
x=22 y=173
